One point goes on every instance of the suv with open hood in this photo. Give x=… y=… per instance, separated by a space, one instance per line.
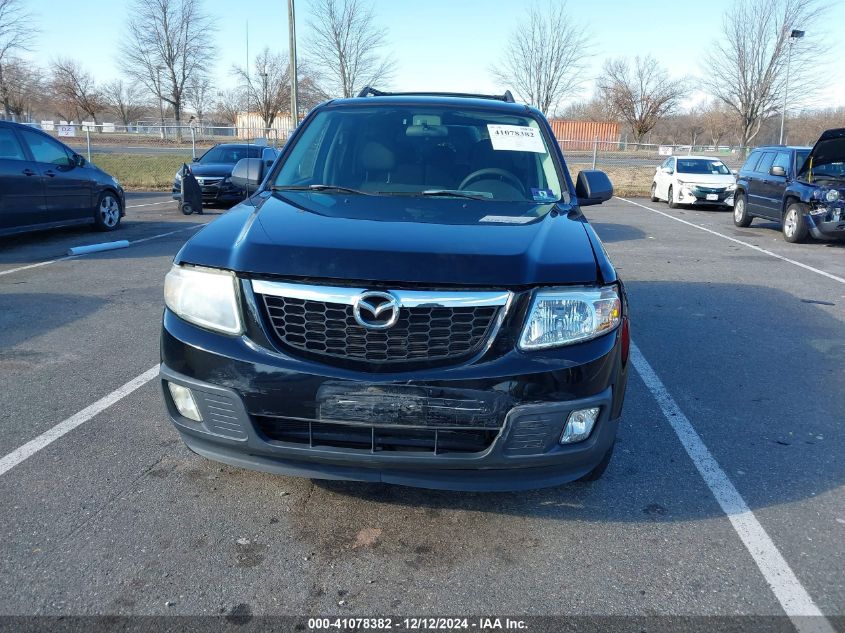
x=412 y=295
x=802 y=188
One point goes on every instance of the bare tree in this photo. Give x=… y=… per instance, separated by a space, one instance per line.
x=72 y=84
x=641 y=94
x=16 y=34
x=593 y=110
x=545 y=57
x=168 y=46
x=717 y=121
x=268 y=86
x=346 y=46
x=746 y=70
x=124 y=100
x=229 y=105
x=26 y=87
x=199 y=96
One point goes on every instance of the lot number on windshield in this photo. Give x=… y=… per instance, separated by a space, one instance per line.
x=516 y=138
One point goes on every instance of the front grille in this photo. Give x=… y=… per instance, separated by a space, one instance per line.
x=421 y=333
x=317 y=434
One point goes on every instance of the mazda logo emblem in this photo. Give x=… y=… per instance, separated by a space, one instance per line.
x=376 y=310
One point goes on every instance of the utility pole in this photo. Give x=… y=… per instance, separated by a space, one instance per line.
x=294 y=111
x=796 y=34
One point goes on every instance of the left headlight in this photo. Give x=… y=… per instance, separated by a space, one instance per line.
x=204 y=296
x=566 y=316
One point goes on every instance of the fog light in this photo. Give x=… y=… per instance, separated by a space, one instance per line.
x=184 y=401
x=579 y=425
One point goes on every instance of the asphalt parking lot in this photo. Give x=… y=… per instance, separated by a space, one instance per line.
x=739 y=354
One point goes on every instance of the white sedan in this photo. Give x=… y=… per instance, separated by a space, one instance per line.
x=694 y=180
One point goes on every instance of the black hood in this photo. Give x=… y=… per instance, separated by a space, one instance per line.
x=212 y=169
x=830 y=148
x=277 y=237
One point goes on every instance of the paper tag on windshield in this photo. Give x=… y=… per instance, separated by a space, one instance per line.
x=516 y=138
x=507 y=219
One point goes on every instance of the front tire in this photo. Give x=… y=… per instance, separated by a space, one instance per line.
x=107 y=213
x=795 y=223
x=654 y=192
x=741 y=217
x=671 y=198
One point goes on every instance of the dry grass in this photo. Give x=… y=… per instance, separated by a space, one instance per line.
x=627 y=180
x=142 y=172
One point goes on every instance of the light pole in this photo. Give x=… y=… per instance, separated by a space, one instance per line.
x=294 y=111
x=795 y=35
x=160 y=106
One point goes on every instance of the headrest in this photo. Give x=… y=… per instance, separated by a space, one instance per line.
x=377 y=157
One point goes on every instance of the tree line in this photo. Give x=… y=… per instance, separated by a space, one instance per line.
x=168 y=53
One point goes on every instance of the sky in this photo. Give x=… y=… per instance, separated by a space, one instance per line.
x=439 y=45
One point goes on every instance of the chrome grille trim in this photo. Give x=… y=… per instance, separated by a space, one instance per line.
x=406 y=298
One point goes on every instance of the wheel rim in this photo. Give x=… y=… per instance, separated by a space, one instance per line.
x=109 y=211
x=653 y=189
x=739 y=209
x=670 y=195
x=790 y=223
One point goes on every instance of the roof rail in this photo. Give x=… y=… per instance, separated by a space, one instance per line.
x=369 y=91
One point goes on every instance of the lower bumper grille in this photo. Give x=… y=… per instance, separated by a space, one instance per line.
x=315 y=434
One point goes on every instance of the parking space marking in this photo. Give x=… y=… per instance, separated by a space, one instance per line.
x=733 y=239
x=66 y=257
x=149 y=204
x=29 y=449
x=790 y=593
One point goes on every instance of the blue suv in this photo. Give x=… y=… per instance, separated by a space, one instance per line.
x=411 y=296
x=801 y=188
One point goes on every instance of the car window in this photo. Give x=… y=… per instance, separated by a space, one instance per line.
x=46 y=150
x=751 y=163
x=410 y=150
x=702 y=166
x=765 y=163
x=10 y=148
x=230 y=154
x=782 y=160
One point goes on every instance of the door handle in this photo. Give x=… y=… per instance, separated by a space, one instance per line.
x=28 y=172
x=50 y=173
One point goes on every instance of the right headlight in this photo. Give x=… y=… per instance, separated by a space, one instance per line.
x=204 y=296
x=565 y=316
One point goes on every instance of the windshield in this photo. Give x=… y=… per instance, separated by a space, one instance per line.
x=230 y=154
x=702 y=166
x=423 y=152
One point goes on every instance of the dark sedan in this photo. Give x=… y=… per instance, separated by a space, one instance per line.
x=45 y=184
x=213 y=171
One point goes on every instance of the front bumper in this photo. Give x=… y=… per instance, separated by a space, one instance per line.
x=822 y=228
x=697 y=195
x=212 y=194
x=240 y=384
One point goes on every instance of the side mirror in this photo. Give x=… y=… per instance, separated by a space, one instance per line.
x=78 y=161
x=195 y=159
x=735 y=172
x=593 y=187
x=667 y=170
x=777 y=170
x=248 y=174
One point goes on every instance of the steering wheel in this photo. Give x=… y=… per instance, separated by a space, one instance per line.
x=503 y=175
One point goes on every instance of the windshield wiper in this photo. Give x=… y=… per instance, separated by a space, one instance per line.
x=451 y=193
x=318 y=188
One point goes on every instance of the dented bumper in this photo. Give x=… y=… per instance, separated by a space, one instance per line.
x=483 y=426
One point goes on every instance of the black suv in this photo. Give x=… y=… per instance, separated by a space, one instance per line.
x=802 y=188
x=411 y=296
x=213 y=171
x=45 y=184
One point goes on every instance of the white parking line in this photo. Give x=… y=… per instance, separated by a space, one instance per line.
x=736 y=241
x=796 y=602
x=66 y=257
x=29 y=449
x=149 y=204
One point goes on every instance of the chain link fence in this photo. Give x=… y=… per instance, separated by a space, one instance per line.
x=631 y=166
